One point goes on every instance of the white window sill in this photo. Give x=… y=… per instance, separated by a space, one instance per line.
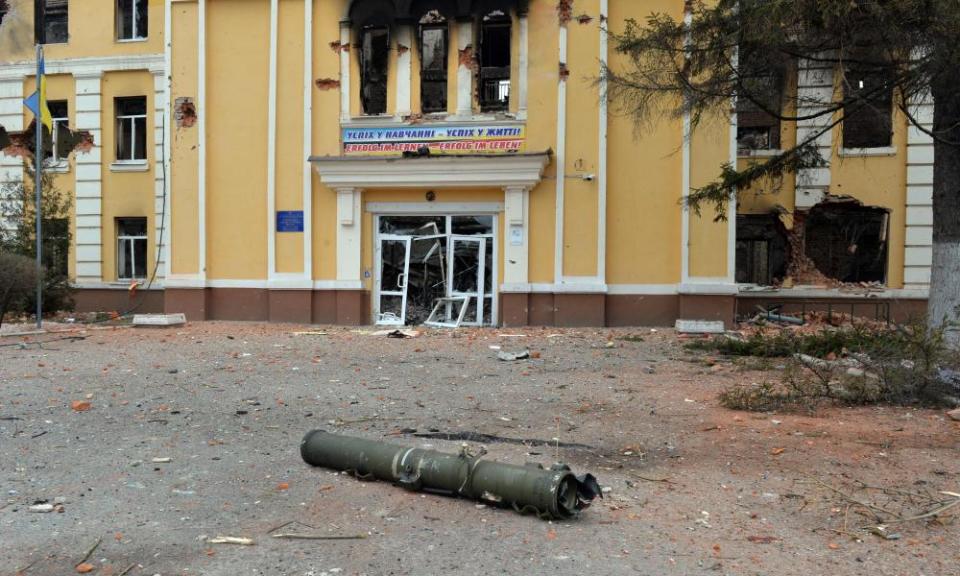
x=863 y=152
x=130 y=40
x=138 y=166
x=759 y=153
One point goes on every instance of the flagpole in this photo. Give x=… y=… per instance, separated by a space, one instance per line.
x=38 y=173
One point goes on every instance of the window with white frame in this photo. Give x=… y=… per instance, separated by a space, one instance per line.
x=131 y=129
x=131 y=248
x=61 y=124
x=131 y=19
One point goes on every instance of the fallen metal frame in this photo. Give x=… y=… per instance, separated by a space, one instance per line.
x=446 y=302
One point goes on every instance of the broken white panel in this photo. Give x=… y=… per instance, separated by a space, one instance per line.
x=159 y=319
x=700 y=326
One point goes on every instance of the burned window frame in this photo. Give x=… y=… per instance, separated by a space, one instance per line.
x=436 y=78
x=136 y=14
x=56 y=22
x=4 y=8
x=371 y=104
x=867 y=120
x=490 y=79
x=765 y=82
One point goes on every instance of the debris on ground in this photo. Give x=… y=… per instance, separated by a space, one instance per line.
x=505 y=356
x=954 y=414
x=553 y=493
x=80 y=405
x=399 y=333
x=700 y=326
x=239 y=541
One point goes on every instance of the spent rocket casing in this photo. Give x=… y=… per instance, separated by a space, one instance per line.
x=550 y=493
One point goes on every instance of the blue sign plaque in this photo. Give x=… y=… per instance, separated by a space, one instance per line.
x=290 y=221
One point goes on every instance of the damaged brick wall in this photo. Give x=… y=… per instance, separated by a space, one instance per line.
x=836 y=243
x=185 y=112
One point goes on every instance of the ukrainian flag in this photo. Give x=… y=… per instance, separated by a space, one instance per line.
x=37 y=102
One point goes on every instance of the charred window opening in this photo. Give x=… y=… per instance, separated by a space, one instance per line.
x=757 y=128
x=374 y=58
x=847 y=241
x=131 y=19
x=762 y=249
x=3 y=10
x=868 y=115
x=433 y=62
x=494 y=56
x=56 y=21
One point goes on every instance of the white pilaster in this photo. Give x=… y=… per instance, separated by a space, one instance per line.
x=11 y=118
x=404 y=78
x=348 y=236
x=307 y=139
x=345 y=71
x=522 y=81
x=814 y=95
x=161 y=201
x=561 y=158
x=89 y=177
x=464 y=70
x=516 y=207
x=918 y=253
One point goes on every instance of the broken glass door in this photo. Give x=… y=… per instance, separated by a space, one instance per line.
x=394 y=273
x=467 y=263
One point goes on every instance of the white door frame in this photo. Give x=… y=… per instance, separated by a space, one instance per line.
x=438 y=209
x=479 y=296
x=378 y=288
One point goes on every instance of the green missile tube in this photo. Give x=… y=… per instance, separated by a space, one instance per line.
x=553 y=493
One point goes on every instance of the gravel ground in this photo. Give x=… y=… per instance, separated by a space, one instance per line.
x=694 y=488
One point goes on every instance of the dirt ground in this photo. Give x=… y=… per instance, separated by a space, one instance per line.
x=693 y=488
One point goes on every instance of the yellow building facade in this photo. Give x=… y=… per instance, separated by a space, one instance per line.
x=442 y=161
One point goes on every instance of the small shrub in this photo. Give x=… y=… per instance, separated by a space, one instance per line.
x=18 y=280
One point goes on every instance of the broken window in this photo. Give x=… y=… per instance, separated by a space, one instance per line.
x=56 y=21
x=867 y=117
x=433 y=62
x=131 y=19
x=131 y=248
x=847 y=241
x=758 y=128
x=131 y=129
x=374 y=58
x=3 y=10
x=56 y=245
x=494 y=60
x=58 y=113
x=762 y=249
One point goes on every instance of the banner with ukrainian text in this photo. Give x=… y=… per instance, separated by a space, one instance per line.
x=441 y=140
